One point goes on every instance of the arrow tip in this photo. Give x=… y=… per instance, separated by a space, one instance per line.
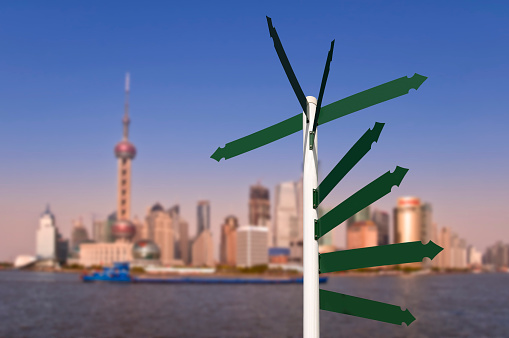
x=417 y=80
x=377 y=130
x=408 y=317
x=217 y=155
x=399 y=174
x=269 y=22
x=432 y=249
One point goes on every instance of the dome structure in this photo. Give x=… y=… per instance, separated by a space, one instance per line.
x=146 y=249
x=123 y=229
x=125 y=149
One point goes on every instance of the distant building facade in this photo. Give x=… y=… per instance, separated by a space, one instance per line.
x=285 y=215
x=159 y=229
x=79 y=235
x=46 y=242
x=361 y=234
x=407 y=220
x=203 y=215
x=252 y=247
x=203 y=249
x=381 y=220
x=228 y=245
x=51 y=248
x=259 y=205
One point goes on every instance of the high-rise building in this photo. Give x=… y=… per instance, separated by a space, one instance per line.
x=407 y=220
x=259 y=205
x=46 y=244
x=181 y=231
x=361 y=216
x=99 y=230
x=51 y=248
x=426 y=223
x=184 y=243
x=203 y=216
x=497 y=256
x=296 y=248
x=252 y=246
x=381 y=219
x=160 y=230
x=203 y=249
x=361 y=234
x=79 y=235
x=122 y=229
x=474 y=257
x=62 y=249
x=228 y=246
x=444 y=240
x=285 y=215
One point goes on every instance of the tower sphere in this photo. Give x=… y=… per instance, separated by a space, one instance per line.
x=123 y=229
x=125 y=149
x=146 y=249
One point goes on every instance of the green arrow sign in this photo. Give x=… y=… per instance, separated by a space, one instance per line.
x=352 y=157
x=287 y=67
x=348 y=105
x=365 y=308
x=358 y=201
x=377 y=256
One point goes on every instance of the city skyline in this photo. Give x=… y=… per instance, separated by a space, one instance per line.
x=60 y=110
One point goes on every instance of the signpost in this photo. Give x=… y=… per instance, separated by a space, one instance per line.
x=313 y=194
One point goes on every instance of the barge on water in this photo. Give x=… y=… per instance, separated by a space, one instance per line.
x=119 y=273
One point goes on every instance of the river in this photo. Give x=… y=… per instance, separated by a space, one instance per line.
x=39 y=304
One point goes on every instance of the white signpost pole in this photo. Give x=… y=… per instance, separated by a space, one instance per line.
x=311 y=311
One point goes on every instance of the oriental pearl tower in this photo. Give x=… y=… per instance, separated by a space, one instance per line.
x=124 y=229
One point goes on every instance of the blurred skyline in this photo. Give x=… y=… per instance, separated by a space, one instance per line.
x=204 y=74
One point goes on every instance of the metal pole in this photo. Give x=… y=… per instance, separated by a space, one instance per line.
x=311 y=311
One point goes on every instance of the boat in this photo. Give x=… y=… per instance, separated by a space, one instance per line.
x=119 y=273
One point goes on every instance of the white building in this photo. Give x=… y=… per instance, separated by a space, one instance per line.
x=285 y=215
x=47 y=233
x=252 y=246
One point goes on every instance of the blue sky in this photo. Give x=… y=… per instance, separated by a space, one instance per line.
x=204 y=74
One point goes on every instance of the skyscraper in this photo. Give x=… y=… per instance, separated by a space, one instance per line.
x=228 y=246
x=252 y=246
x=160 y=230
x=381 y=219
x=259 y=205
x=123 y=229
x=361 y=234
x=203 y=216
x=361 y=216
x=50 y=248
x=203 y=249
x=426 y=223
x=79 y=235
x=285 y=215
x=407 y=220
x=181 y=231
x=46 y=243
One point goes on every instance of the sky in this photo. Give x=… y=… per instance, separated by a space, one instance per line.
x=206 y=73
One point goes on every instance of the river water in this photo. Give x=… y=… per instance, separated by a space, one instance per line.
x=37 y=304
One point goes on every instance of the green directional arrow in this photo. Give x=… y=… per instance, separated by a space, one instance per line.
x=365 y=308
x=377 y=256
x=348 y=105
x=358 y=201
x=287 y=67
x=352 y=157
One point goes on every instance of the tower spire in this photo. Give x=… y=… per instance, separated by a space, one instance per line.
x=126 y=119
